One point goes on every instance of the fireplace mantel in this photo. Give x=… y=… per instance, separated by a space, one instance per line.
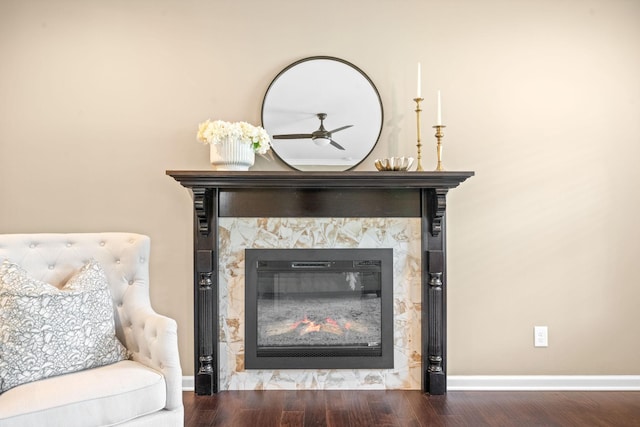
x=319 y=194
x=275 y=179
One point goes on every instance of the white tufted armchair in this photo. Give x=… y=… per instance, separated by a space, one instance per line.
x=144 y=391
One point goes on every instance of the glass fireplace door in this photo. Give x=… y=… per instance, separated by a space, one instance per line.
x=319 y=308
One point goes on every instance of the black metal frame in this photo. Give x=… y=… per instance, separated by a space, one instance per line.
x=328 y=358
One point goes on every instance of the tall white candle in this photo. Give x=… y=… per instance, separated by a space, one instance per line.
x=439 y=111
x=419 y=95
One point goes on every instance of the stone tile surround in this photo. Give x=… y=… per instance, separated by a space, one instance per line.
x=400 y=234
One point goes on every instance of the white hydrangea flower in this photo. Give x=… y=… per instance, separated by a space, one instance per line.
x=218 y=131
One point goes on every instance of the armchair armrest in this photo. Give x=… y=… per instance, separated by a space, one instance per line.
x=153 y=340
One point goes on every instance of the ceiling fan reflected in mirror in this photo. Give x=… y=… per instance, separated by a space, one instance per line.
x=320 y=137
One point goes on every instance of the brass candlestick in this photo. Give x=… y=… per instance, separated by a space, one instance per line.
x=439 y=136
x=419 y=145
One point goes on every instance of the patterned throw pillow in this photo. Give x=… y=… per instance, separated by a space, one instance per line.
x=46 y=331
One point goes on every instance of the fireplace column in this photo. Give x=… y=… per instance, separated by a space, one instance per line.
x=433 y=290
x=205 y=295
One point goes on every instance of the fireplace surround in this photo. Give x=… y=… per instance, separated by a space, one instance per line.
x=218 y=195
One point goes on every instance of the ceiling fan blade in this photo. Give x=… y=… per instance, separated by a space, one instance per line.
x=341 y=128
x=335 y=144
x=293 y=136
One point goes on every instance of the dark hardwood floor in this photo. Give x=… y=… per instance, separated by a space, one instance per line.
x=412 y=408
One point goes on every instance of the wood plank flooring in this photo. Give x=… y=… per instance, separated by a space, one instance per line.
x=363 y=408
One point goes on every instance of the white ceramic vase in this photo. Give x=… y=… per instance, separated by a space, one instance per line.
x=232 y=155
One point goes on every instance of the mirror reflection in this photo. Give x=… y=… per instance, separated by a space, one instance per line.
x=322 y=114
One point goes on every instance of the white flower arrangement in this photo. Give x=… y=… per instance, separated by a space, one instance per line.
x=215 y=132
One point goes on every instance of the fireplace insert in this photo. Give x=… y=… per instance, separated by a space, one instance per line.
x=318 y=308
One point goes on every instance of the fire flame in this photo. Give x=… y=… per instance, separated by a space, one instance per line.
x=329 y=325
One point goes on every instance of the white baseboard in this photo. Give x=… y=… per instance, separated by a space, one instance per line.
x=188 y=383
x=525 y=382
x=544 y=382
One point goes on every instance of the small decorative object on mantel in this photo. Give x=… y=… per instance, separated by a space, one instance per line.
x=419 y=99
x=394 y=164
x=233 y=145
x=439 y=135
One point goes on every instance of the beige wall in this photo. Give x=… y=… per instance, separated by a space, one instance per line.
x=541 y=98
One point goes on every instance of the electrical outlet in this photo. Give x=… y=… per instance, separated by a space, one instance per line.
x=540 y=336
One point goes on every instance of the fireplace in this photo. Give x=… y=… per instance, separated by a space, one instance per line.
x=318 y=308
x=220 y=196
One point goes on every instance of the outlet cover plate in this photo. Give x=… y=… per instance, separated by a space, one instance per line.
x=540 y=336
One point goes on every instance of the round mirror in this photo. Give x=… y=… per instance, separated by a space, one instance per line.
x=322 y=114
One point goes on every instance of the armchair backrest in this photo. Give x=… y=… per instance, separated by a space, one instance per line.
x=55 y=257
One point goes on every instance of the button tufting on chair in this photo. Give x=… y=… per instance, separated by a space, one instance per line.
x=55 y=257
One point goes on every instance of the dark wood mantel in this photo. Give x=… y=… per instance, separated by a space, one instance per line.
x=320 y=194
x=320 y=179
